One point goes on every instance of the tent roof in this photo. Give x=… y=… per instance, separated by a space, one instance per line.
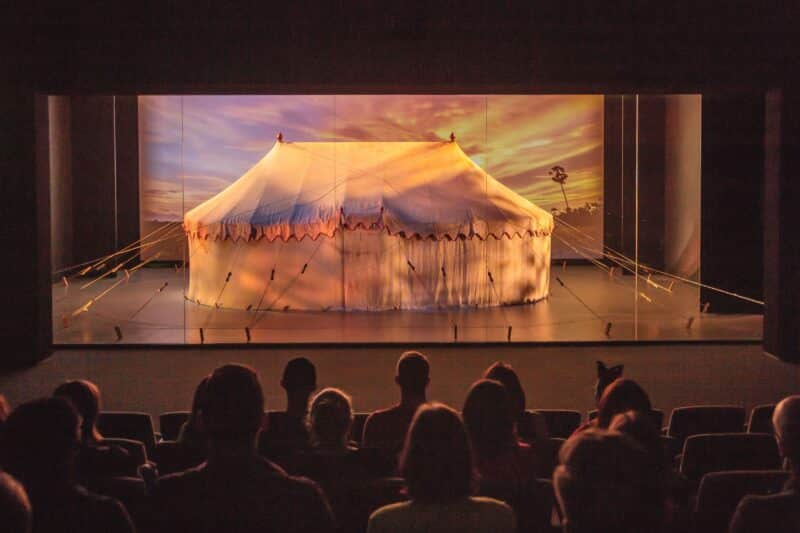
x=428 y=190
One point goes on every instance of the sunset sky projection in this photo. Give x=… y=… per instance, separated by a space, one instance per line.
x=191 y=147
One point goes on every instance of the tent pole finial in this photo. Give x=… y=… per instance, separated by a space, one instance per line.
x=280 y=137
x=452 y=137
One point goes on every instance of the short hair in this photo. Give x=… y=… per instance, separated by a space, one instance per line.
x=331 y=416
x=40 y=441
x=489 y=420
x=436 y=461
x=786 y=422
x=506 y=375
x=299 y=374
x=413 y=371
x=15 y=508
x=235 y=403
x=604 y=484
x=85 y=396
x=621 y=396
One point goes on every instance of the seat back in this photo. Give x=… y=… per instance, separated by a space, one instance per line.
x=170 y=423
x=128 y=425
x=353 y=503
x=697 y=419
x=707 y=453
x=721 y=492
x=135 y=449
x=561 y=423
x=171 y=456
x=656 y=416
x=532 y=502
x=761 y=419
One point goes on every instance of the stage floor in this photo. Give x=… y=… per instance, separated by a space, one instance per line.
x=578 y=311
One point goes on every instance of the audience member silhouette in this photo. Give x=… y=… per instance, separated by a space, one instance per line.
x=15 y=509
x=604 y=484
x=620 y=396
x=531 y=426
x=499 y=456
x=39 y=448
x=96 y=458
x=331 y=417
x=287 y=432
x=779 y=512
x=386 y=429
x=437 y=465
x=236 y=489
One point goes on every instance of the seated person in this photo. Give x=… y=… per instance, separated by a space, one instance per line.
x=499 y=455
x=236 y=489
x=604 y=484
x=779 y=512
x=437 y=466
x=620 y=396
x=15 y=509
x=331 y=418
x=531 y=426
x=386 y=429
x=39 y=448
x=287 y=431
x=332 y=457
x=96 y=458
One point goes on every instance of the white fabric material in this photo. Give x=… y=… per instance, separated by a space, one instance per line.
x=426 y=189
x=372 y=226
x=372 y=274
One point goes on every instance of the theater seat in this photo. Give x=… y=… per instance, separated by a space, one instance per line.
x=703 y=454
x=171 y=456
x=128 y=425
x=171 y=423
x=560 y=423
x=656 y=415
x=721 y=492
x=532 y=502
x=697 y=419
x=761 y=419
x=134 y=448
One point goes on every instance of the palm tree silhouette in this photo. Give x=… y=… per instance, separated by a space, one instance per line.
x=560 y=176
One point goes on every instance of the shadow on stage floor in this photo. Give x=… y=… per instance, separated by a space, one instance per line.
x=577 y=311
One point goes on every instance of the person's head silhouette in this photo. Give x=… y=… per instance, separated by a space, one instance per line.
x=436 y=461
x=40 y=443
x=234 y=408
x=786 y=421
x=331 y=417
x=621 y=396
x=605 y=483
x=488 y=419
x=413 y=375
x=15 y=508
x=85 y=396
x=506 y=375
x=299 y=381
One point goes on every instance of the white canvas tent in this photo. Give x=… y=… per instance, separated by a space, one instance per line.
x=367 y=225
